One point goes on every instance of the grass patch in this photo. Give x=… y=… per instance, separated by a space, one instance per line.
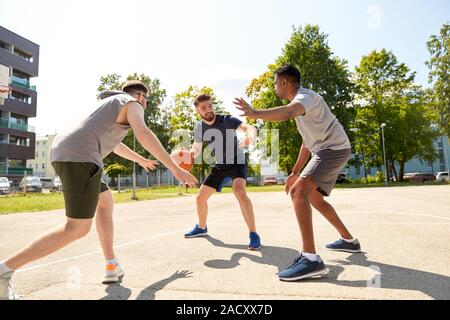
x=34 y=202
x=50 y=201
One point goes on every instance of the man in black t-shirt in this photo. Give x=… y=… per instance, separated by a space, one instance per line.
x=219 y=132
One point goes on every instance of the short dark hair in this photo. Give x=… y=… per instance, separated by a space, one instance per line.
x=201 y=97
x=134 y=85
x=290 y=72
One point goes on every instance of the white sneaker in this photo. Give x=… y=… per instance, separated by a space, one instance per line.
x=113 y=273
x=7 y=287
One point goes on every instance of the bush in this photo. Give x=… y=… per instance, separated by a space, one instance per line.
x=378 y=178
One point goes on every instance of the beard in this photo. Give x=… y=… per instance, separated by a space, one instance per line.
x=209 y=116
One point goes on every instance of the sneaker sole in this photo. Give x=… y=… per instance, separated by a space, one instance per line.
x=113 y=280
x=345 y=250
x=197 y=235
x=309 y=275
x=253 y=248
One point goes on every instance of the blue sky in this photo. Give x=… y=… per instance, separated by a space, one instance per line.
x=222 y=44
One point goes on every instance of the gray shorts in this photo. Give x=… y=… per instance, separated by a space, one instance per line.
x=324 y=168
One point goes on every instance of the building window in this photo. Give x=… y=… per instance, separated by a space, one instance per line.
x=43 y=166
x=36 y=166
x=43 y=154
x=37 y=154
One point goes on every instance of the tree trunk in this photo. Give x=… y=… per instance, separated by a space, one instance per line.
x=364 y=166
x=402 y=169
x=393 y=168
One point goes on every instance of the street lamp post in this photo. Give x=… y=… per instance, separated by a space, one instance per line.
x=382 y=126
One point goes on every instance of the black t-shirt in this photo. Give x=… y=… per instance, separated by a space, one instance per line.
x=221 y=139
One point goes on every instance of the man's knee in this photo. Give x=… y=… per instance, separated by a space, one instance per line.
x=300 y=192
x=240 y=193
x=78 y=228
x=201 y=198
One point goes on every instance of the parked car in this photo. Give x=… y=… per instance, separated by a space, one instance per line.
x=342 y=178
x=269 y=181
x=31 y=184
x=253 y=181
x=46 y=183
x=56 y=185
x=419 y=177
x=5 y=185
x=442 y=176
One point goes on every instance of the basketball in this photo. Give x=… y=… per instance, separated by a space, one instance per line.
x=183 y=158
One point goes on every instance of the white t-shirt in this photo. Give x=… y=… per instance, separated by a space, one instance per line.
x=319 y=127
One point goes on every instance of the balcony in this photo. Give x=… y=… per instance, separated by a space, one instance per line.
x=20 y=63
x=20 y=82
x=7 y=123
x=15 y=171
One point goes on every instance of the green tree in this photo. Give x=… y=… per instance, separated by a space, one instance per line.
x=439 y=75
x=386 y=94
x=115 y=169
x=321 y=71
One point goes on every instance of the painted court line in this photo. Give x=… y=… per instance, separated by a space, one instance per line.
x=115 y=247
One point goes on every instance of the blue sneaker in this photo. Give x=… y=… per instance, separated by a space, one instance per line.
x=197 y=232
x=255 y=241
x=342 y=245
x=303 y=268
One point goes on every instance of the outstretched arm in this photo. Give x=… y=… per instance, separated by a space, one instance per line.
x=282 y=113
x=125 y=152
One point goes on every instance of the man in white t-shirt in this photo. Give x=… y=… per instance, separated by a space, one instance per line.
x=325 y=139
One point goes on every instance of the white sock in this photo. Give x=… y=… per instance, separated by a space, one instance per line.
x=113 y=261
x=4 y=268
x=311 y=256
x=350 y=240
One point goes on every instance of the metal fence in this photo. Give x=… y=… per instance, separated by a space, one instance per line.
x=155 y=178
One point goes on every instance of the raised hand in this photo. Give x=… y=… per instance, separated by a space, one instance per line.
x=243 y=106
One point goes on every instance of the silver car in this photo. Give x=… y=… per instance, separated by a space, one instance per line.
x=31 y=184
x=5 y=185
x=442 y=176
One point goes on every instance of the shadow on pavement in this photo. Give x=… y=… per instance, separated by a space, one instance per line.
x=275 y=256
x=149 y=292
x=383 y=275
x=390 y=276
x=117 y=292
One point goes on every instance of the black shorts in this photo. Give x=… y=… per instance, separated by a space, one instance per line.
x=224 y=173
x=81 y=185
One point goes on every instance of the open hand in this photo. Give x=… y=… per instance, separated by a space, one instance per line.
x=185 y=177
x=243 y=106
x=148 y=164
